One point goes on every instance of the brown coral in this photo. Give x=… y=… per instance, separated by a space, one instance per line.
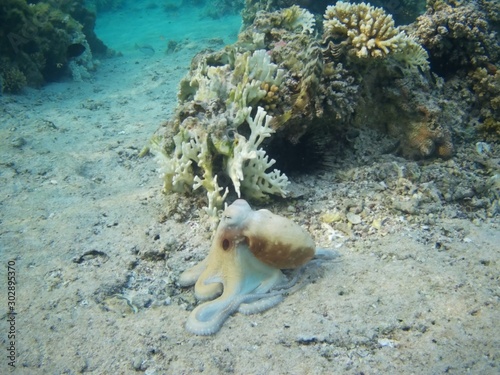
x=458 y=35
x=425 y=141
x=486 y=86
x=12 y=79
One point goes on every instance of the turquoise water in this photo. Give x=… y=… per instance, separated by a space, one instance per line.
x=138 y=24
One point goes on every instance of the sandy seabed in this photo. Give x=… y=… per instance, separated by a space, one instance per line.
x=98 y=249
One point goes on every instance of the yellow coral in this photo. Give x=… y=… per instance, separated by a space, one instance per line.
x=370 y=32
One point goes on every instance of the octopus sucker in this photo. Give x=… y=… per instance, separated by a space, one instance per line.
x=242 y=271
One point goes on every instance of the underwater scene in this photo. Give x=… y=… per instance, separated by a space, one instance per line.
x=250 y=186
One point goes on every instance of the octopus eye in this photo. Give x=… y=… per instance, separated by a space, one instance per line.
x=225 y=244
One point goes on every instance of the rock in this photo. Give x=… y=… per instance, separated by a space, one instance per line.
x=353 y=218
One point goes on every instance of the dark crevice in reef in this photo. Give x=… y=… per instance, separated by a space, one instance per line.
x=312 y=153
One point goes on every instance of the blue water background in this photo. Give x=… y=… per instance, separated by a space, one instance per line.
x=136 y=23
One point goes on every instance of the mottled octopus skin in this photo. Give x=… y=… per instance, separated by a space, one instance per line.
x=242 y=271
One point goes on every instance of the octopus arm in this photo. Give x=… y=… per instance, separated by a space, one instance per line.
x=207 y=318
x=191 y=275
x=260 y=304
x=208 y=288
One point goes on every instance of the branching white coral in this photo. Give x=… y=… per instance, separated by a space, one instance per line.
x=250 y=72
x=214 y=194
x=259 y=184
x=248 y=164
x=177 y=168
x=236 y=86
x=259 y=66
x=178 y=173
x=212 y=85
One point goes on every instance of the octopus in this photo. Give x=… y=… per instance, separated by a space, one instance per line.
x=243 y=269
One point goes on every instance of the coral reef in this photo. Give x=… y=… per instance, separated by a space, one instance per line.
x=13 y=80
x=412 y=111
x=296 y=16
x=403 y=11
x=246 y=164
x=229 y=103
x=282 y=90
x=35 y=40
x=492 y=10
x=367 y=31
x=486 y=85
x=464 y=47
x=252 y=7
x=458 y=35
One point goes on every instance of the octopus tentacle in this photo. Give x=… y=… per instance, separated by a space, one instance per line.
x=207 y=318
x=191 y=275
x=262 y=303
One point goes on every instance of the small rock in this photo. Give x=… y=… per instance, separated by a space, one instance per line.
x=139 y=364
x=387 y=342
x=408 y=207
x=153 y=254
x=18 y=142
x=306 y=339
x=353 y=218
x=377 y=224
x=330 y=217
